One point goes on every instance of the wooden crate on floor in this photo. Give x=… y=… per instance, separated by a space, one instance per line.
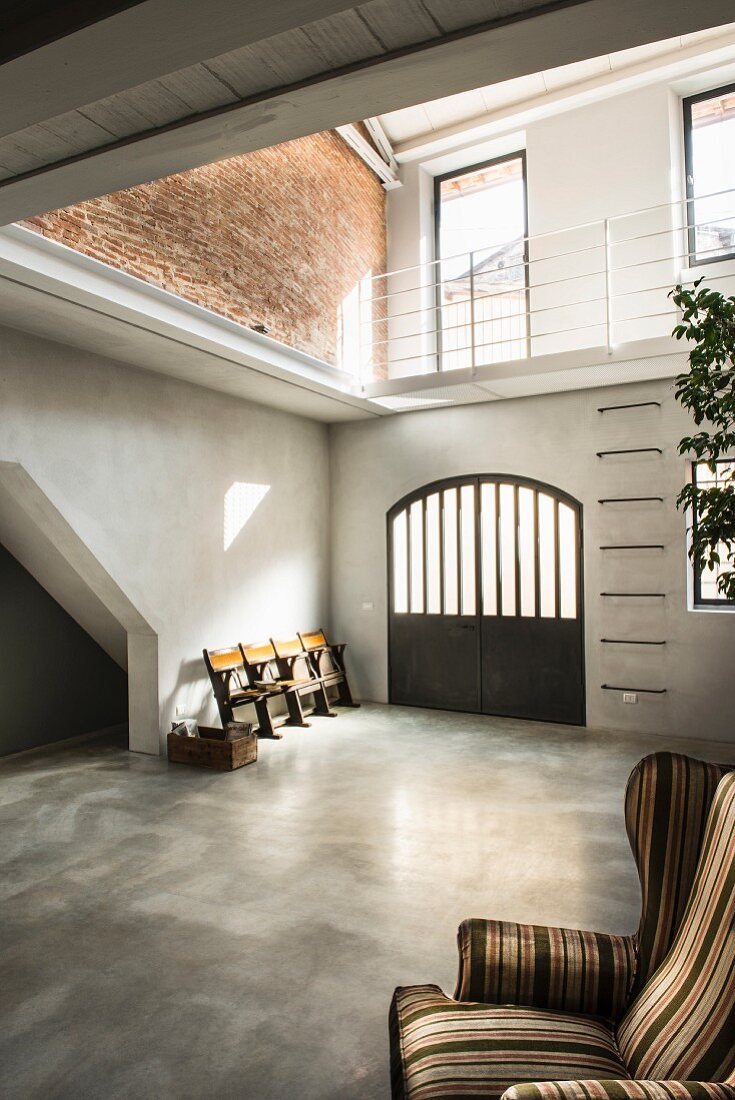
x=210 y=750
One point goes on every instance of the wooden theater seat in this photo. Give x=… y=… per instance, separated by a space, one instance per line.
x=329 y=662
x=233 y=688
x=294 y=665
x=263 y=672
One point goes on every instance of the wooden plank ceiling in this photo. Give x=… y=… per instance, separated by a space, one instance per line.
x=156 y=87
x=356 y=36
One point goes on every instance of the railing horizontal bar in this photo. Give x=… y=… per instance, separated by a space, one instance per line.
x=682 y=203
x=672 y=229
x=517 y=338
x=628 y=641
x=664 y=260
x=640 y=691
x=539 y=286
x=634 y=546
x=521 y=337
x=509 y=267
x=625 y=500
x=478 y=321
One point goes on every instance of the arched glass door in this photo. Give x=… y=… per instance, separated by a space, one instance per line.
x=486 y=599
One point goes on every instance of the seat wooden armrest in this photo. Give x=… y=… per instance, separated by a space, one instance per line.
x=558 y=968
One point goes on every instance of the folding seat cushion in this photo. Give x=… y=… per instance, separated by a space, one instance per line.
x=455 y=1050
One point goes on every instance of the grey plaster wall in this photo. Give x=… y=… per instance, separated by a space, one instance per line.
x=552 y=438
x=141 y=467
x=55 y=681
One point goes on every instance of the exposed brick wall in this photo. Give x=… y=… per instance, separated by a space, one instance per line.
x=278 y=237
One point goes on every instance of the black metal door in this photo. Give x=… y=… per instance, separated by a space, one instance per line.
x=486 y=599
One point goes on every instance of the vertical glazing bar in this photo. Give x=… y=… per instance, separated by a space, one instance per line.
x=408 y=558
x=426 y=561
x=557 y=561
x=473 y=363
x=580 y=558
x=442 y=600
x=459 y=550
x=517 y=548
x=608 y=301
x=478 y=550
x=536 y=555
x=498 y=554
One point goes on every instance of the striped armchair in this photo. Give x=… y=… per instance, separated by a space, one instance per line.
x=559 y=1014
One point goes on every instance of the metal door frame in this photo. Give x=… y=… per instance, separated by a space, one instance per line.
x=519 y=481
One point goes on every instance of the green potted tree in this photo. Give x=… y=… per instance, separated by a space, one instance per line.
x=707 y=390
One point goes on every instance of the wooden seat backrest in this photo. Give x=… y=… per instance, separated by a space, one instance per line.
x=227 y=672
x=287 y=647
x=314 y=639
x=258 y=653
x=225 y=660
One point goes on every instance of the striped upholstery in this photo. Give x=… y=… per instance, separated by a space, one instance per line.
x=445 y=1050
x=666 y=805
x=673 y=983
x=559 y=968
x=622 y=1090
x=682 y=1024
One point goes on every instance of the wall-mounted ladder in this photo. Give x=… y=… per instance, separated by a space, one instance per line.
x=634 y=547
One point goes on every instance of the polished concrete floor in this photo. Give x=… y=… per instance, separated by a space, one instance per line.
x=174 y=933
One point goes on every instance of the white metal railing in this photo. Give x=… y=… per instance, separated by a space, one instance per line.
x=596 y=286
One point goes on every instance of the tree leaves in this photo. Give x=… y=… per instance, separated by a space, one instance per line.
x=707 y=390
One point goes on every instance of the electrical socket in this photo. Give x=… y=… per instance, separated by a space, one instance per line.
x=367 y=605
x=182 y=712
x=630 y=697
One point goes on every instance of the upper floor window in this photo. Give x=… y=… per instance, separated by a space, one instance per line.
x=706 y=592
x=481 y=231
x=709 y=130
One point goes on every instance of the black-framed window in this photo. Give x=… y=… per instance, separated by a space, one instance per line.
x=706 y=593
x=481 y=245
x=709 y=142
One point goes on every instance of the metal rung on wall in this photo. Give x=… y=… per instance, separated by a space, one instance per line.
x=634 y=405
x=624 y=500
x=631 y=451
x=628 y=641
x=636 y=595
x=635 y=546
x=639 y=691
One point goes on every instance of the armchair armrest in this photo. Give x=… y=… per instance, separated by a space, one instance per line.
x=621 y=1090
x=558 y=968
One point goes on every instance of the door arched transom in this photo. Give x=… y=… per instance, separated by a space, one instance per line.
x=486 y=598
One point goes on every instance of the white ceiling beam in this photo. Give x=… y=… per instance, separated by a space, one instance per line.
x=559 y=36
x=377 y=133
x=142 y=43
x=367 y=153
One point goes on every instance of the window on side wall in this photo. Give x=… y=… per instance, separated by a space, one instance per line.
x=709 y=132
x=706 y=592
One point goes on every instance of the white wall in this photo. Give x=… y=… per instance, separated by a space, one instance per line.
x=139 y=466
x=605 y=159
x=554 y=439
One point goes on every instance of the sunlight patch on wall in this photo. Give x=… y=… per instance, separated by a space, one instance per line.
x=241 y=500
